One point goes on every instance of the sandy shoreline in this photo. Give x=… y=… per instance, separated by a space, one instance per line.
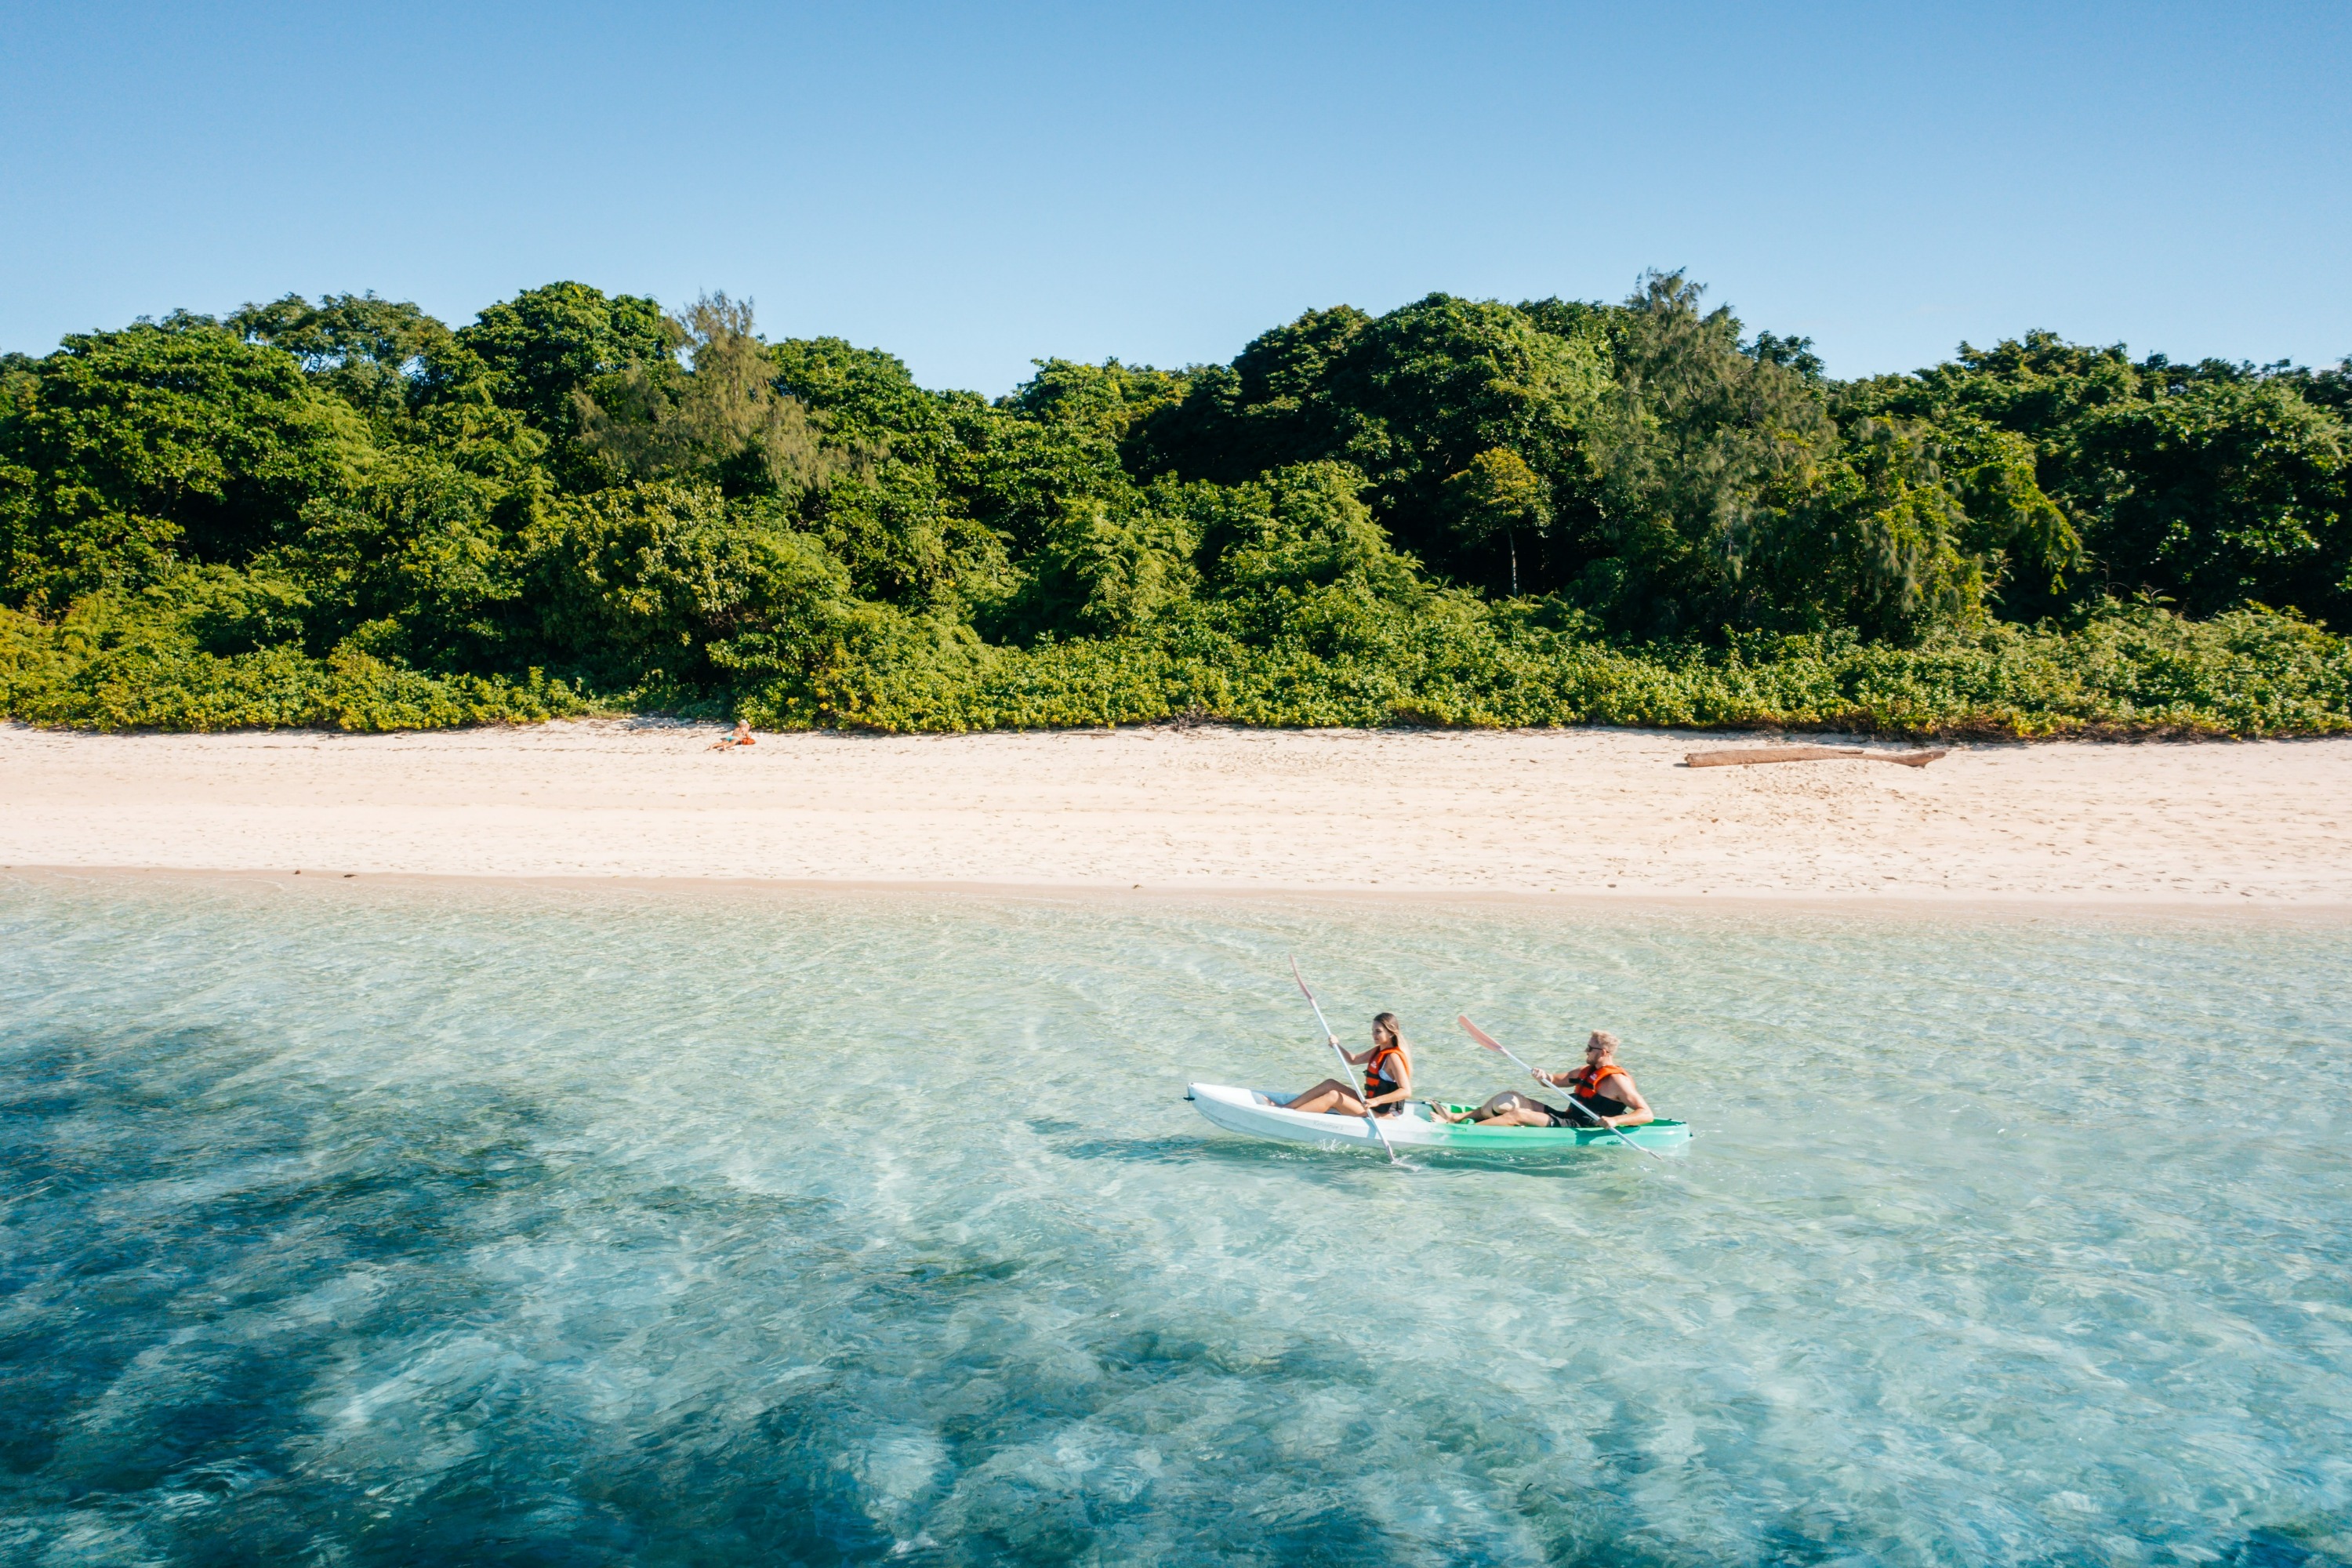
x=1583 y=813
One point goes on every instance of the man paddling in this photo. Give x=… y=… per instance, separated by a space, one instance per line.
x=1600 y=1094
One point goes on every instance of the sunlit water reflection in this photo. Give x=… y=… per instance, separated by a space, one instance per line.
x=480 y=1224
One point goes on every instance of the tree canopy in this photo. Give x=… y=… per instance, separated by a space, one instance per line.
x=1442 y=513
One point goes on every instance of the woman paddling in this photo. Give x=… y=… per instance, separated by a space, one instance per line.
x=1388 y=1077
x=1600 y=1094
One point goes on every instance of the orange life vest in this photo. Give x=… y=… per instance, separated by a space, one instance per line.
x=1373 y=1082
x=1585 y=1081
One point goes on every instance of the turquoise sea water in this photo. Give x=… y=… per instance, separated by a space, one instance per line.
x=380 y=1224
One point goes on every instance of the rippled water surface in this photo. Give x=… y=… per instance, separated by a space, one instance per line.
x=366 y=1224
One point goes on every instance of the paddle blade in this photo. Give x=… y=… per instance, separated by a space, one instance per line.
x=1300 y=978
x=1479 y=1035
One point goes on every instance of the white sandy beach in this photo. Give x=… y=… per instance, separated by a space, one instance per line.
x=1579 y=812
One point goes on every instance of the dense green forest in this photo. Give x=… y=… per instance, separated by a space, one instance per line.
x=344 y=512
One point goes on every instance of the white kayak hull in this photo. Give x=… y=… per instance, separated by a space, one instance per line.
x=1259 y=1113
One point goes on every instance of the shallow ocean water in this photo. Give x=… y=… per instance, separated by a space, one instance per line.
x=374 y=1222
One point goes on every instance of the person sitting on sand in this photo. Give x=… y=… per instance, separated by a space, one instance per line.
x=742 y=737
x=1388 y=1077
x=1601 y=1093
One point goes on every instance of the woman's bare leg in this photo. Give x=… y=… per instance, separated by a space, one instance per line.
x=1300 y=1101
x=1326 y=1099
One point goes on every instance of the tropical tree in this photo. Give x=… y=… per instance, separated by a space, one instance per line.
x=1499 y=497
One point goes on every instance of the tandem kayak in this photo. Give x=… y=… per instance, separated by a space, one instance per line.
x=1258 y=1114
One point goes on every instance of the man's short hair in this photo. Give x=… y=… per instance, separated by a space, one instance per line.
x=1603 y=1038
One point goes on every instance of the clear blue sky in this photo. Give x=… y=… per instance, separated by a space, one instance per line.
x=973 y=186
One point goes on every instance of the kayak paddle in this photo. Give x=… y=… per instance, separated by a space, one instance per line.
x=1492 y=1044
x=1371 y=1121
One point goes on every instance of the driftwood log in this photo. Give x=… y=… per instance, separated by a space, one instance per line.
x=1747 y=756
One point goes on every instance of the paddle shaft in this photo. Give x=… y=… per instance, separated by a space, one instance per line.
x=1371 y=1120
x=1581 y=1110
